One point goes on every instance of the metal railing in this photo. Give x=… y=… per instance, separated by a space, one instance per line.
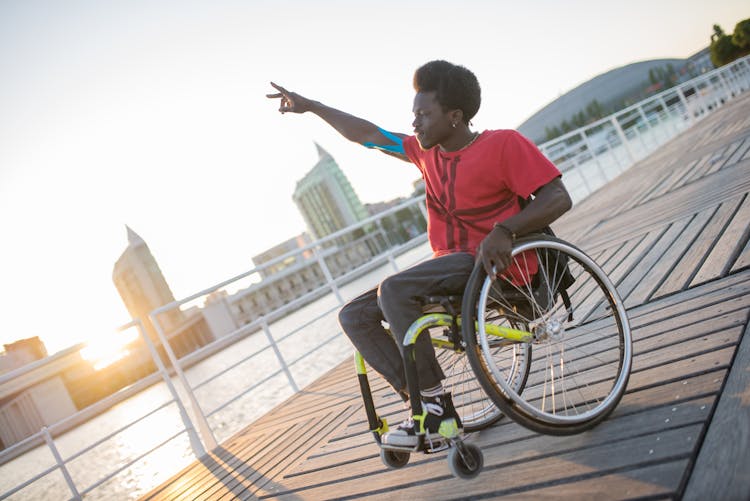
x=592 y=156
x=319 y=249
x=61 y=463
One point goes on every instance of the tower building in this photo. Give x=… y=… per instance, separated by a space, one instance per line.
x=326 y=199
x=142 y=286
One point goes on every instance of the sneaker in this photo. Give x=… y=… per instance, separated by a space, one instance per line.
x=440 y=421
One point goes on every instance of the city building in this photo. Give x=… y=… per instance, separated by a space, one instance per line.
x=143 y=288
x=21 y=352
x=326 y=199
x=265 y=261
x=34 y=394
x=298 y=275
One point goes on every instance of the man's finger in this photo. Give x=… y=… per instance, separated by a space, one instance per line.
x=487 y=263
x=278 y=88
x=274 y=96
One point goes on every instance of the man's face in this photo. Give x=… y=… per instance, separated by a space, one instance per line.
x=431 y=124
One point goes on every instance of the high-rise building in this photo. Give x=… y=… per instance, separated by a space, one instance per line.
x=326 y=199
x=142 y=286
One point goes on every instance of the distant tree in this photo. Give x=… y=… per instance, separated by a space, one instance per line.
x=718 y=33
x=594 y=110
x=741 y=35
x=552 y=132
x=578 y=120
x=723 y=49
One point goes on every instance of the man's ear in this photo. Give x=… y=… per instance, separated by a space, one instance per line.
x=457 y=116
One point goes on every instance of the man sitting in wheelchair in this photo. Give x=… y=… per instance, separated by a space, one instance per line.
x=475 y=182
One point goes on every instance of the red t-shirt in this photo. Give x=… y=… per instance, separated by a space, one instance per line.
x=469 y=190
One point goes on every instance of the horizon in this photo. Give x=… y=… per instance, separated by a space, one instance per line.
x=153 y=115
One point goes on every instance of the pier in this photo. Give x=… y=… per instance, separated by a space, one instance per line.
x=673 y=234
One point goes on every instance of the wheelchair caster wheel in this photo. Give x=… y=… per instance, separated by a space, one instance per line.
x=394 y=459
x=465 y=460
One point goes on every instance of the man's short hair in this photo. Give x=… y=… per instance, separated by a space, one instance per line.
x=456 y=87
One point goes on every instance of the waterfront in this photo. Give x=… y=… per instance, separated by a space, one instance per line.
x=165 y=422
x=162 y=426
x=176 y=452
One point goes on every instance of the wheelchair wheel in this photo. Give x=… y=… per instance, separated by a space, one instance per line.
x=394 y=459
x=582 y=353
x=476 y=409
x=465 y=460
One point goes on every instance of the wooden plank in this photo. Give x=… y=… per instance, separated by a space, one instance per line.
x=652 y=189
x=743 y=259
x=738 y=154
x=726 y=155
x=669 y=178
x=634 y=402
x=638 y=288
x=634 y=259
x=681 y=327
x=722 y=469
x=669 y=259
x=647 y=270
x=249 y=479
x=723 y=254
x=688 y=265
x=731 y=288
x=691 y=199
x=510 y=468
x=190 y=480
x=657 y=481
x=699 y=365
x=713 y=158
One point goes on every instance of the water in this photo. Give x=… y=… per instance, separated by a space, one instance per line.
x=159 y=465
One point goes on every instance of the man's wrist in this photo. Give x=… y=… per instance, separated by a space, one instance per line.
x=507 y=231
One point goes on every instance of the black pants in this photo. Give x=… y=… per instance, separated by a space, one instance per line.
x=395 y=300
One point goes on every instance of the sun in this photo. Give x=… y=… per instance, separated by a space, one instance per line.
x=105 y=350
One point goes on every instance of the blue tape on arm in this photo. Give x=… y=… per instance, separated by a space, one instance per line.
x=394 y=148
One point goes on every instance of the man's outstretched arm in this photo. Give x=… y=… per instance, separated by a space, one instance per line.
x=352 y=128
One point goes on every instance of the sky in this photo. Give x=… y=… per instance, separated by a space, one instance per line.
x=152 y=114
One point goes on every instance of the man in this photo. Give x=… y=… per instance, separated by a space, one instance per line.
x=473 y=184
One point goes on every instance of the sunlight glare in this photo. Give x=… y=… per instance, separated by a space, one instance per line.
x=106 y=350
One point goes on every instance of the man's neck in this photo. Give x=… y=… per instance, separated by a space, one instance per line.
x=459 y=140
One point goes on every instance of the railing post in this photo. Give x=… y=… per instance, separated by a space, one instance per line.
x=195 y=441
x=685 y=103
x=276 y=350
x=387 y=240
x=423 y=209
x=623 y=138
x=209 y=441
x=699 y=97
x=579 y=171
x=728 y=85
x=327 y=274
x=667 y=114
x=594 y=155
x=392 y=260
x=60 y=463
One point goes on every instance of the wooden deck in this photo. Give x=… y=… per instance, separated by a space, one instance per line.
x=673 y=234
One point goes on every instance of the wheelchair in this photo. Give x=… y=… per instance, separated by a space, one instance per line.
x=546 y=343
